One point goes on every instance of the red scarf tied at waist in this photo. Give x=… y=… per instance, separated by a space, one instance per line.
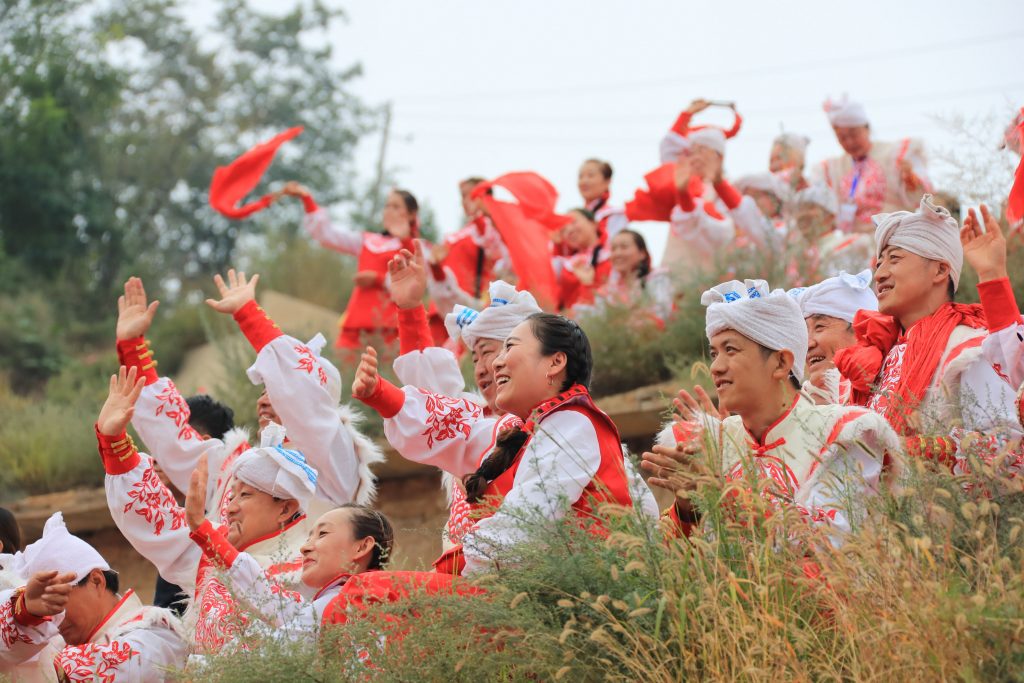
x=877 y=333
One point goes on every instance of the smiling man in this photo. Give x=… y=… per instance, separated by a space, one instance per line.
x=918 y=361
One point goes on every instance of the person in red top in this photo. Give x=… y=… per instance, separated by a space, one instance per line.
x=370 y=310
x=594 y=182
x=584 y=265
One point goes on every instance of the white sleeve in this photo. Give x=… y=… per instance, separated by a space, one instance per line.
x=560 y=461
x=988 y=402
x=838 y=493
x=249 y=584
x=1005 y=349
x=658 y=287
x=434 y=369
x=749 y=219
x=19 y=644
x=702 y=232
x=142 y=654
x=318 y=225
x=147 y=515
x=161 y=420
x=296 y=384
x=449 y=433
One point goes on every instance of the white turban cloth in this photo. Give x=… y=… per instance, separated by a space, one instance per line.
x=674 y=144
x=930 y=232
x=276 y=470
x=819 y=195
x=508 y=308
x=845 y=113
x=57 y=550
x=771 y=318
x=839 y=297
x=333 y=378
x=793 y=141
x=766 y=182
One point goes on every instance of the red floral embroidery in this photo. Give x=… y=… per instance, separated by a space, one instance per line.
x=308 y=361
x=93 y=662
x=447 y=417
x=173 y=406
x=9 y=633
x=460 y=521
x=153 y=502
x=219 y=621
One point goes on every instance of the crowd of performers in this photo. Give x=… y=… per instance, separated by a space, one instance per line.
x=825 y=390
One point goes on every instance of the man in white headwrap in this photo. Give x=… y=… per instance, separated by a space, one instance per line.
x=302 y=391
x=69 y=620
x=760 y=216
x=921 y=353
x=871 y=176
x=271 y=491
x=787 y=159
x=825 y=460
x=816 y=247
x=829 y=308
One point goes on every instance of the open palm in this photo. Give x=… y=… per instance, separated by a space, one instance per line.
x=119 y=407
x=134 y=314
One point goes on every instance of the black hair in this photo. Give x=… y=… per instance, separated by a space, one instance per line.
x=369 y=523
x=473 y=180
x=111 y=578
x=10 y=532
x=644 y=269
x=411 y=205
x=556 y=334
x=765 y=352
x=603 y=166
x=589 y=215
x=950 y=290
x=209 y=417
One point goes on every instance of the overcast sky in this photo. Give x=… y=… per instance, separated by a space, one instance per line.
x=482 y=88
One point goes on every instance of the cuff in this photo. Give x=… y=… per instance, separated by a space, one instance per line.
x=728 y=194
x=685 y=201
x=682 y=525
x=22 y=616
x=309 y=204
x=999 y=303
x=413 y=330
x=386 y=399
x=256 y=325
x=135 y=352
x=119 y=453
x=682 y=124
x=214 y=545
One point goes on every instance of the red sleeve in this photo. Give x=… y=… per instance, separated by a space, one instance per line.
x=309 y=204
x=256 y=325
x=437 y=271
x=680 y=527
x=413 y=330
x=999 y=303
x=135 y=353
x=21 y=614
x=214 y=545
x=118 y=452
x=685 y=200
x=728 y=194
x=386 y=399
x=682 y=124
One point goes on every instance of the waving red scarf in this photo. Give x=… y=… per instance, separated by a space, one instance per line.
x=233 y=182
x=877 y=333
x=1015 y=205
x=657 y=201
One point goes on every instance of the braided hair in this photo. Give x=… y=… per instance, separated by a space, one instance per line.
x=556 y=334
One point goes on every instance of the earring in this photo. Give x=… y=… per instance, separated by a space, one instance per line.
x=550 y=382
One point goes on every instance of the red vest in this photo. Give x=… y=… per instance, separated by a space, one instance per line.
x=472 y=268
x=371 y=308
x=609 y=485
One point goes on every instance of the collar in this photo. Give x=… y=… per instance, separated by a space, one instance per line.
x=126 y=600
x=338 y=580
x=764 y=445
x=545 y=408
x=272 y=534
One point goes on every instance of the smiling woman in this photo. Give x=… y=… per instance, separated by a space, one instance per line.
x=554 y=452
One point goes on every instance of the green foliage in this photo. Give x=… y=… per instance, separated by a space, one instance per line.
x=292 y=264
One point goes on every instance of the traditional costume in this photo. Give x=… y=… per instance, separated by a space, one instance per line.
x=824 y=460
x=463 y=276
x=1004 y=345
x=936 y=368
x=831 y=253
x=875 y=183
x=575 y=289
x=132 y=643
x=653 y=294
x=151 y=520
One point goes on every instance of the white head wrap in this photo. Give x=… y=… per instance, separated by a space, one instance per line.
x=712 y=138
x=57 y=549
x=930 y=232
x=319 y=366
x=845 y=113
x=820 y=195
x=839 y=297
x=508 y=308
x=793 y=141
x=275 y=470
x=770 y=318
x=766 y=182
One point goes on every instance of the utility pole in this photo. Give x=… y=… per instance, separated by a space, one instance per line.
x=385 y=134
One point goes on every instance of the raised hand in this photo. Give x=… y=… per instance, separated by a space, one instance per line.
x=691 y=408
x=134 y=315
x=293 y=189
x=195 y=498
x=408 y=277
x=984 y=248
x=366 y=380
x=234 y=294
x=119 y=407
x=698 y=105
x=673 y=469
x=46 y=593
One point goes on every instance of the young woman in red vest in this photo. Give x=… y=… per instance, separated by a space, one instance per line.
x=584 y=265
x=554 y=453
x=369 y=310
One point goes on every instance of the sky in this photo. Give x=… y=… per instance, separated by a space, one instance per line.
x=483 y=88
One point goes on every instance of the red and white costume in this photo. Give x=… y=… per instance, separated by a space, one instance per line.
x=610 y=219
x=304 y=388
x=572 y=290
x=1004 y=345
x=572 y=458
x=655 y=289
x=833 y=252
x=370 y=309
x=474 y=252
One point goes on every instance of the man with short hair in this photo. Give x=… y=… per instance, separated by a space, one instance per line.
x=70 y=611
x=918 y=360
